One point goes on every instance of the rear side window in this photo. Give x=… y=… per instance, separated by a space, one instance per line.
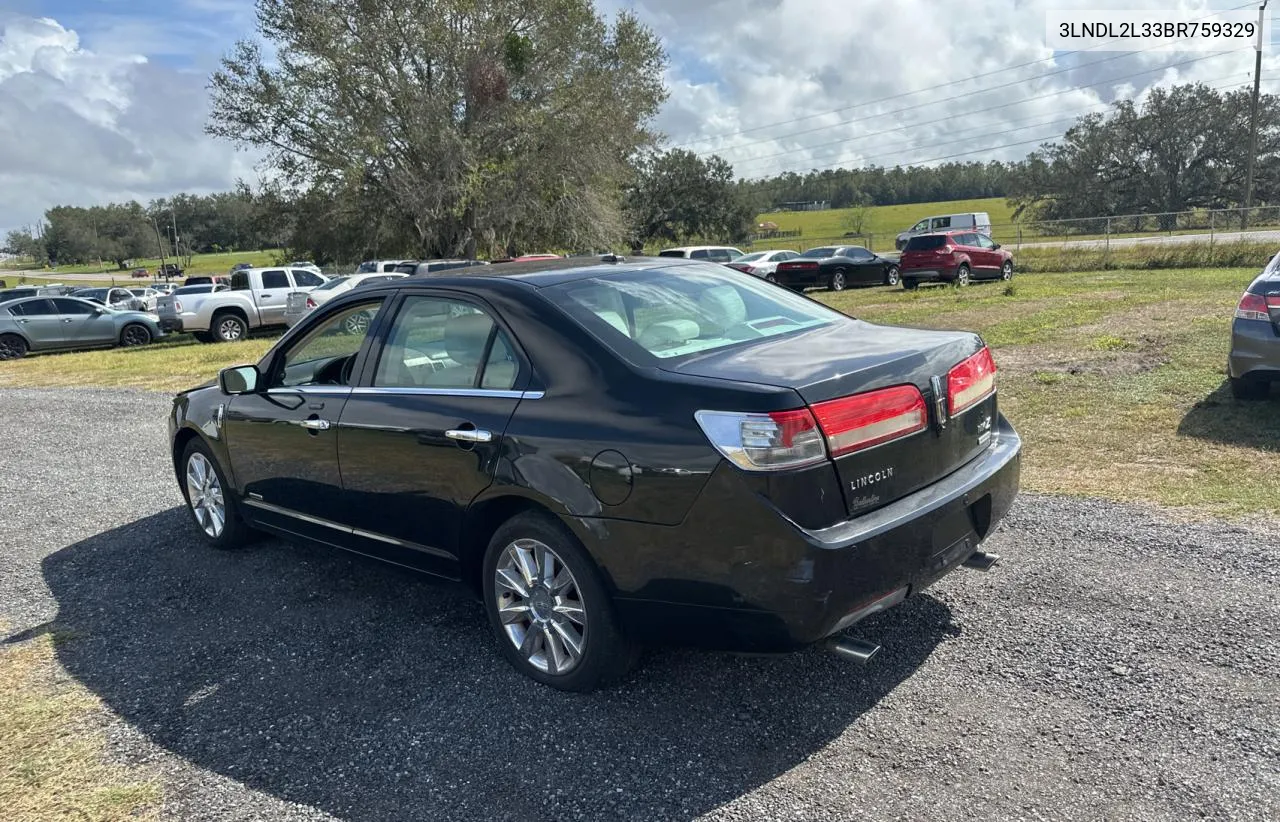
x=940 y=222
x=671 y=252
x=699 y=254
x=927 y=242
x=306 y=279
x=239 y=281
x=33 y=308
x=275 y=279
x=442 y=343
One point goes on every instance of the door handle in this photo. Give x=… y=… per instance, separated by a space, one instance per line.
x=314 y=425
x=67 y=319
x=469 y=435
x=20 y=322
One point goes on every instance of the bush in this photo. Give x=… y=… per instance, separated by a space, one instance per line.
x=1237 y=254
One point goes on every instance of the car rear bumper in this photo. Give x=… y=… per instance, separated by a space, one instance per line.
x=292 y=319
x=737 y=575
x=172 y=325
x=927 y=274
x=1255 y=350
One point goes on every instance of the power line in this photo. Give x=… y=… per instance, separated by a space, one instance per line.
x=944 y=119
x=983 y=91
x=900 y=95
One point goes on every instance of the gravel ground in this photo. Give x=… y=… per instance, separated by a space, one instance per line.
x=1118 y=664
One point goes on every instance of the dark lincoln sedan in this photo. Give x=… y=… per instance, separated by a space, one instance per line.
x=1254 y=360
x=614 y=452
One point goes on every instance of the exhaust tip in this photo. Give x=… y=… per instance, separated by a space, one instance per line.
x=982 y=561
x=856 y=650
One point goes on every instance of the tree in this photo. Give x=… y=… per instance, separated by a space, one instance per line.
x=676 y=195
x=22 y=243
x=1183 y=148
x=477 y=123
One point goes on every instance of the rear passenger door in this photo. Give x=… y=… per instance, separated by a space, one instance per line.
x=422 y=435
x=39 y=322
x=273 y=295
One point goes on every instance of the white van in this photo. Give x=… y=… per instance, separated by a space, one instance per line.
x=979 y=221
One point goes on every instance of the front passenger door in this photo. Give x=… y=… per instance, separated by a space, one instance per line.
x=84 y=324
x=271 y=299
x=991 y=259
x=424 y=437
x=282 y=439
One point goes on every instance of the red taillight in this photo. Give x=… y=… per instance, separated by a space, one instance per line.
x=864 y=420
x=1254 y=307
x=971 y=381
x=743 y=267
x=311 y=303
x=177 y=306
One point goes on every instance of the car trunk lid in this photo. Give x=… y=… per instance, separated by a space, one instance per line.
x=826 y=366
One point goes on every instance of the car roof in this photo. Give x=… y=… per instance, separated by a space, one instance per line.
x=542 y=273
x=699 y=247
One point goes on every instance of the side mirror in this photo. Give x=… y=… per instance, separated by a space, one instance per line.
x=240 y=379
x=997 y=245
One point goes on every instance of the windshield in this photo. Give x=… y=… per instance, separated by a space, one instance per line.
x=819 y=253
x=673 y=312
x=332 y=284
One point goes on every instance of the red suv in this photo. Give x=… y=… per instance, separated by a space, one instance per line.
x=953 y=257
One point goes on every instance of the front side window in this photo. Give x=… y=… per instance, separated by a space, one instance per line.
x=984 y=241
x=75 y=307
x=699 y=254
x=326 y=355
x=275 y=279
x=923 y=225
x=674 y=312
x=436 y=342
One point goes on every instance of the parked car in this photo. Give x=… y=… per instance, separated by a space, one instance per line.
x=148 y=297
x=1254 y=360
x=528 y=258
x=611 y=453
x=163 y=288
x=119 y=298
x=424 y=267
x=712 y=253
x=307 y=264
x=209 y=280
x=239 y=267
x=977 y=221
x=139 y=273
x=256 y=299
x=66 y=323
x=953 y=257
x=18 y=293
x=301 y=303
x=169 y=271
x=762 y=264
x=380 y=266
x=836 y=268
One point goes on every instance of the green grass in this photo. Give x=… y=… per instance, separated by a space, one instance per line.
x=882 y=222
x=200 y=264
x=1114 y=378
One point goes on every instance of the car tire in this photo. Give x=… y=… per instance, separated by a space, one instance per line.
x=134 y=334
x=769 y=278
x=12 y=347
x=1244 y=388
x=837 y=281
x=962 y=275
x=205 y=488
x=228 y=327
x=910 y=283
x=1006 y=270
x=891 y=275
x=537 y=625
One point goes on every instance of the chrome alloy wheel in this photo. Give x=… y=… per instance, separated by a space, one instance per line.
x=540 y=606
x=230 y=329
x=205 y=495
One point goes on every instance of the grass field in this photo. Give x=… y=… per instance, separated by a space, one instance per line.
x=1115 y=379
x=882 y=222
x=200 y=264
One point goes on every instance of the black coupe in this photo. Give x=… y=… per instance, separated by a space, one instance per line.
x=613 y=452
x=836 y=268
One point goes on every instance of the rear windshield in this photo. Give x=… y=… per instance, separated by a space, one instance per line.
x=926 y=242
x=752 y=257
x=819 y=253
x=332 y=284
x=671 y=252
x=674 y=312
x=93 y=293
x=194 y=289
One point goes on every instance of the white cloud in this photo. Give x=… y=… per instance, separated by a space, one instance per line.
x=79 y=126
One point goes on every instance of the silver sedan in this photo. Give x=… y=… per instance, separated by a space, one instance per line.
x=66 y=323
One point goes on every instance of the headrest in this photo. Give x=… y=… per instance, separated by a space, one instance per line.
x=465 y=336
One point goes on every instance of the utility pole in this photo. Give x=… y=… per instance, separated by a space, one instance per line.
x=1253 y=122
x=160 y=245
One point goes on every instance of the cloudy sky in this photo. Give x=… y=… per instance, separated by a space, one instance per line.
x=103 y=100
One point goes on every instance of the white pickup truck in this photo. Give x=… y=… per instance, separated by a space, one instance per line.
x=256 y=300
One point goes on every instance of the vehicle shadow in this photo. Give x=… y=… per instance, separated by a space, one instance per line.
x=372 y=693
x=1221 y=418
